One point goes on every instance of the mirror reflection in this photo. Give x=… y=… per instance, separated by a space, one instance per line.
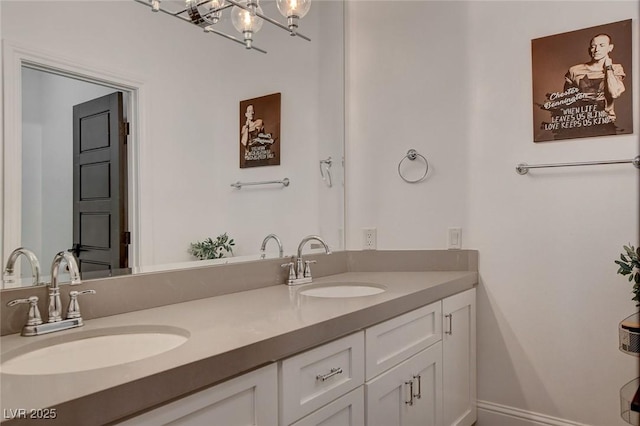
x=180 y=90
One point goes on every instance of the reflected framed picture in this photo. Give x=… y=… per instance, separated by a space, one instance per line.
x=582 y=85
x=260 y=131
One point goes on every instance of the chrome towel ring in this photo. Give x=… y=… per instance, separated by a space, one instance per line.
x=412 y=154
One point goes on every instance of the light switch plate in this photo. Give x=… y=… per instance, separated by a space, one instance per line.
x=454 y=240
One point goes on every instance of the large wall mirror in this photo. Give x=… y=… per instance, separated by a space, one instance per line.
x=180 y=89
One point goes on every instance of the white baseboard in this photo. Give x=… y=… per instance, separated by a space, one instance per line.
x=492 y=414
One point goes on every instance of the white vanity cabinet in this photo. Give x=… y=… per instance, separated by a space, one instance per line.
x=250 y=399
x=409 y=394
x=348 y=410
x=421 y=366
x=459 y=359
x=417 y=369
x=314 y=378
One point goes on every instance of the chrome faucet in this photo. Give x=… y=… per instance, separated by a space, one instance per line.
x=55 y=310
x=300 y=270
x=264 y=245
x=11 y=263
x=34 y=325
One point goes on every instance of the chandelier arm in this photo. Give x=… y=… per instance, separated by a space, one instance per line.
x=200 y=3
x=210 y=30
x=232 y=38
x=206 y=25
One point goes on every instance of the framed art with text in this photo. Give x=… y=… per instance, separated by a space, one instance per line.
x=260 y=131
x=582 y=83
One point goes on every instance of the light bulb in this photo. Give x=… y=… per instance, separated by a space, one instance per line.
x=297 y=8
x=246 y=23
x=214 y=14
x=293 y=10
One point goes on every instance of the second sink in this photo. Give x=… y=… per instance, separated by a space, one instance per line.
x=342 y=289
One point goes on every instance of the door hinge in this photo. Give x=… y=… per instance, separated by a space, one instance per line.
x=125 y=129
x=126 y=237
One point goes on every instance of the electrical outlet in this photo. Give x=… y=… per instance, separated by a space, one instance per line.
x=454 y=240
x=369 y=236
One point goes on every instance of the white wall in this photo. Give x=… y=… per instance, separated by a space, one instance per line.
x=407 y=88
x=192 y=84
x=550 y=300
x=453 y=80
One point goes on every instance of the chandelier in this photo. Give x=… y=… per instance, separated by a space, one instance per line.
x=246 y=16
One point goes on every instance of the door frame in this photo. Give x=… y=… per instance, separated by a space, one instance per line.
x=15 y=56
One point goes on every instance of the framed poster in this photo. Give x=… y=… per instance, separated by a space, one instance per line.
x=582 y=85
x=260 y=131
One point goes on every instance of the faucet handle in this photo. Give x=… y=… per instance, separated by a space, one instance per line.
x=74 y=307
x=292 y=271
x=34 y=313
x=307 y=268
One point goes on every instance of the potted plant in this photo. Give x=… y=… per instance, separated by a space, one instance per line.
x=629 y=264
x=212 y=249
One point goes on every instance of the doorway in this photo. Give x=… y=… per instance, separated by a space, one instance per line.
x=50 y=179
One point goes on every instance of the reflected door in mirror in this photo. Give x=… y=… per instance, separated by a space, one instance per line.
x=99 y=185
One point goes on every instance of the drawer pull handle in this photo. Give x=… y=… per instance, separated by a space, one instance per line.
x=410 y=401
x=419 y=394
x=330 y=374
x=450 y=331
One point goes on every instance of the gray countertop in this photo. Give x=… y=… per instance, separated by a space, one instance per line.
x=228 y=335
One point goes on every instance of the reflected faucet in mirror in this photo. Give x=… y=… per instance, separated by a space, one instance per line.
x=11 y=264
x=264 y=245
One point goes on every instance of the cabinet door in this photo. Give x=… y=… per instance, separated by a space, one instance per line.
x=250 y=399
x=393 y=341
x=459 y=359
x=409 y=394
x=348 y=410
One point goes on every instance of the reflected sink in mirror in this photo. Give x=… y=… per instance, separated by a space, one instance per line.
x=342 y=289
x=92 y=349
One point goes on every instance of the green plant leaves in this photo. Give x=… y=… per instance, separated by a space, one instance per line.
x=630 y=265
x=209 y=249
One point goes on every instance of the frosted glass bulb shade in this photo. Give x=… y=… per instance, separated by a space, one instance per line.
x=216 y=4
x=290 y=8
x=244 y=22
x=214 y=14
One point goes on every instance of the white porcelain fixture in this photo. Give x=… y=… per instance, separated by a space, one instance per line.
x=342 y=289
x=92 y=349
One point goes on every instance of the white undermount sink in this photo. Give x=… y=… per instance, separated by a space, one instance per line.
x=92 y=349
x=342 y=289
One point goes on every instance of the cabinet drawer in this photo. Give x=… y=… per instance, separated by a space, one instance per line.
x=247 y=399
x=395 y=340
x=348 y=410
x=313 y=378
